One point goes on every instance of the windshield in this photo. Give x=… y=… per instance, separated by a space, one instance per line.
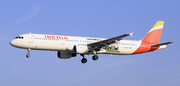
x=19 y=37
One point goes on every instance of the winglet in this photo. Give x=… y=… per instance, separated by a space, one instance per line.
x=131 y=34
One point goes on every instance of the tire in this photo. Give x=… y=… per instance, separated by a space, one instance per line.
x=95 y=57
x=28 y=56
x=84 y=60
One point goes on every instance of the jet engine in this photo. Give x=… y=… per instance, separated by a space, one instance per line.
x=65 y=55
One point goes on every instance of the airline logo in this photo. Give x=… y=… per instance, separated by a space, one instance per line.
x=158 y=25
x=154 y=34
x=56 y=37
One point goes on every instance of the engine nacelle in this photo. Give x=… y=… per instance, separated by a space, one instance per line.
x=81 y=49
x=65 y=55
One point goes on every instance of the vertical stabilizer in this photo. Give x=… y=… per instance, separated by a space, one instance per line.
x=154 y=35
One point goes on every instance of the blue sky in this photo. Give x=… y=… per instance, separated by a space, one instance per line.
x=94 y=18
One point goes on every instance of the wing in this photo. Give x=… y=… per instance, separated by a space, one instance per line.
x=98 y=45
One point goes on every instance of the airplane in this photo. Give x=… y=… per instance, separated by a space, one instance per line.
x=70 y=46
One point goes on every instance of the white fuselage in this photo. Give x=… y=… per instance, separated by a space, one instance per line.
x=65 y=43
x=70 y=46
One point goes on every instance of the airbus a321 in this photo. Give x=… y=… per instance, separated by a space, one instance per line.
x=70 y=46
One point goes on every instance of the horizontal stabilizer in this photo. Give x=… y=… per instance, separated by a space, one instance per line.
x=162 y=44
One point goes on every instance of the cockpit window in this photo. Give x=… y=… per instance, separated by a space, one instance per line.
x=19 y=37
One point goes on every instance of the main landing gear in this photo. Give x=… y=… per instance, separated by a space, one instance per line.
x=28 y=53
x=84 y=60
x=95 y=57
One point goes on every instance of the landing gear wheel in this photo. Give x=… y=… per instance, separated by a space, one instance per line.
x=95 y=57
x=27 y=55
x=84 y=60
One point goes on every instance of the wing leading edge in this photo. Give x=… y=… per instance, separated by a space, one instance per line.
x=98 y=45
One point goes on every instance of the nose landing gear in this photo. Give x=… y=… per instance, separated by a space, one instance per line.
x=28 y=53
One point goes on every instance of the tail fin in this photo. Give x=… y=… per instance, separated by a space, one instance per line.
x=154 y=35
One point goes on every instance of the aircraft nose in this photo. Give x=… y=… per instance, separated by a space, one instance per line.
x=12 y=42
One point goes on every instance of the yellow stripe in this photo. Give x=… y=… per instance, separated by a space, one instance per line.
x=158 y=23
